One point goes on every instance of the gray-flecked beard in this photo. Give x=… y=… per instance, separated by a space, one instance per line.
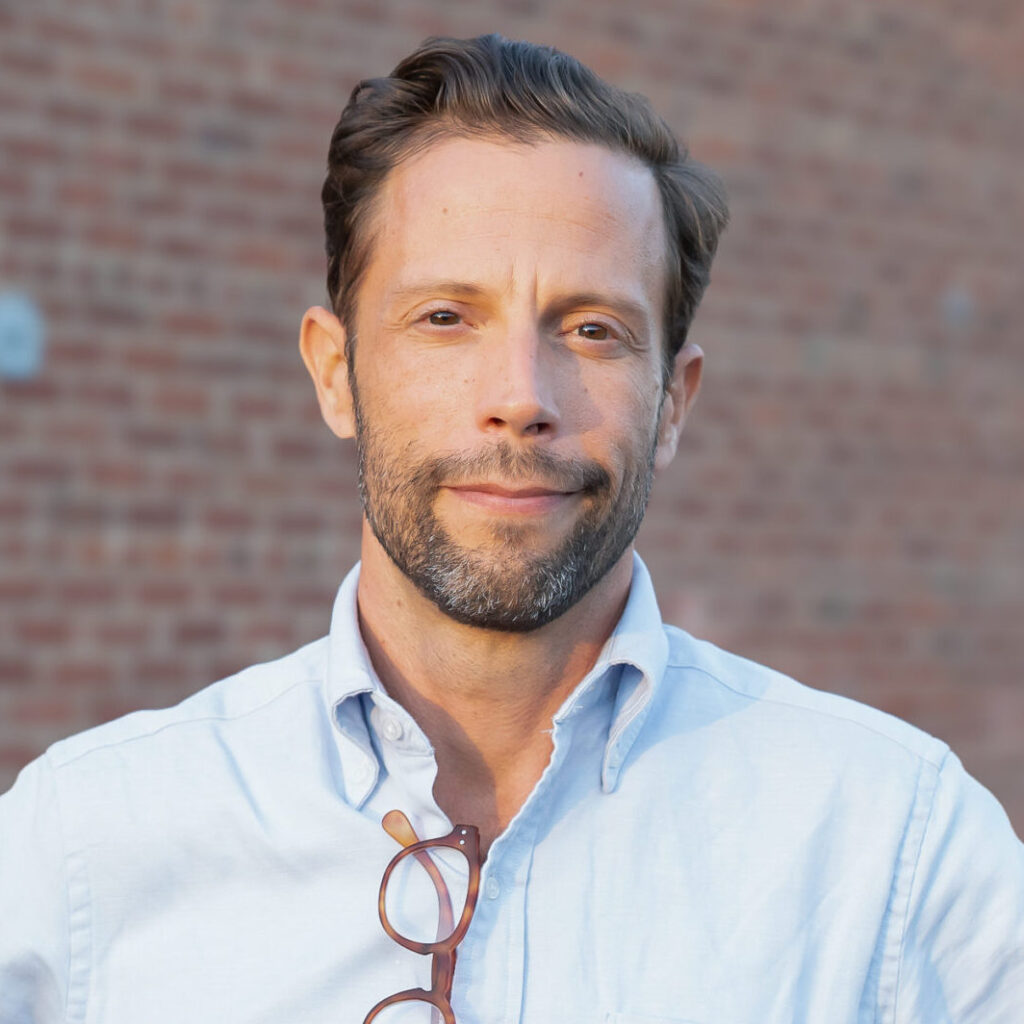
x=511 y=587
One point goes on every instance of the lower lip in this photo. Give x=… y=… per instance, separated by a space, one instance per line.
x=511 y=504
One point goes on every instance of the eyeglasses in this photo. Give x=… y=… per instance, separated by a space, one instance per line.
x=428 y=882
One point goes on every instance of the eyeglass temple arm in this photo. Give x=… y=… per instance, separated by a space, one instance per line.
x=397 y=825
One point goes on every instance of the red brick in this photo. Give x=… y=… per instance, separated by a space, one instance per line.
x=87 y=194
x=102 y=79
x=153 y=126
x=62 y=29
x=42 y=632
x=126 y=474
x=200 y=632
x=174 y=593
x=250 y=594
x=131 y=635
x=69 y=114
x=40 y=469
x=229 y=518
x=96 y=675
x=154 y=514
x=15 y=671
x=151 y=673
x=28 y=63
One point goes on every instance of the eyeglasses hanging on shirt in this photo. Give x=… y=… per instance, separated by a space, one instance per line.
x=427 y=898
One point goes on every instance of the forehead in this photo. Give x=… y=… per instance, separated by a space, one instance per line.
x=558 y=213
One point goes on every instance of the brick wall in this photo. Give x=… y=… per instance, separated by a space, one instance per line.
x=847 y=503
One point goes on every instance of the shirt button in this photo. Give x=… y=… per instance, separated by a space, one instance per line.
x=392 y=729
x=492 y=890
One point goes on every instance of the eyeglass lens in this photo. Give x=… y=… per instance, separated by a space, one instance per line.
x=426 y=894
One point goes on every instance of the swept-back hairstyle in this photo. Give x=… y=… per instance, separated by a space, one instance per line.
x=490 y=86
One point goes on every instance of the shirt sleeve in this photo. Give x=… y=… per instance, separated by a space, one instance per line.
x=34 y=925
x=963 y=949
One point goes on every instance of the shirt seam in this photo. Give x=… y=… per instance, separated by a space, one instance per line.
x=72 y=959
x=919 y=754
x=910 y=888
x=192 y=720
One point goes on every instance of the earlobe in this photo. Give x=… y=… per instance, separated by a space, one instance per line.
x=322 y=344
x=679 y=398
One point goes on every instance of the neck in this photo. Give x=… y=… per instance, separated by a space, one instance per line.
x=484 y=698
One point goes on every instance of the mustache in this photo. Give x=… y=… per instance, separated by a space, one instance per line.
x=502 y=462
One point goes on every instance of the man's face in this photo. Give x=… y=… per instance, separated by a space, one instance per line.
x=507 y=373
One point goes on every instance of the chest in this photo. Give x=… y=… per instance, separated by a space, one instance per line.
x=592 y=937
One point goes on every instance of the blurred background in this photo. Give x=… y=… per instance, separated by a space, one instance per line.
x=847 y=502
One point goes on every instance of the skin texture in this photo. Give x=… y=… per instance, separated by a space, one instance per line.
x=509 y=395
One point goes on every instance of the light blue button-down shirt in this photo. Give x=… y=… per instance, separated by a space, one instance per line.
x=711 y=842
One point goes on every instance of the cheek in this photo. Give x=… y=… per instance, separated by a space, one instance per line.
x=624 y=433
x=639 y=409
x=396 y=396
x=611 y=398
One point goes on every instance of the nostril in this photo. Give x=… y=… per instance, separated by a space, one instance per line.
x=528 y=429
x=522 y=414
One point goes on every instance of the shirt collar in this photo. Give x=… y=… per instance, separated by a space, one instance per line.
x=638 y=646
x=349 y=673
x=349 y=670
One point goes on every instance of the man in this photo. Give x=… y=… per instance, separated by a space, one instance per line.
x=636 y=826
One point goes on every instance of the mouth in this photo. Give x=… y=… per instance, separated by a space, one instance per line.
x=523 y=499
x=511 y=490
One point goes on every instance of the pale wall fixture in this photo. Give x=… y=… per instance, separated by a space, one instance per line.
x=22 y=337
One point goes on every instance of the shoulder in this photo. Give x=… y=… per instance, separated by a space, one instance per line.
x=710 y=681
x=829 y=787
x=141 y=779
x=233 y=699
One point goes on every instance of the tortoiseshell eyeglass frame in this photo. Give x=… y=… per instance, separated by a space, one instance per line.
x=466 y=839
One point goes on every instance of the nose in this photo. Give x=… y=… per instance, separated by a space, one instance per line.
x=516 y=385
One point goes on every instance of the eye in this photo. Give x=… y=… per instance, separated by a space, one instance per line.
x=607 y=338
x=593 y=331
x=443 y=318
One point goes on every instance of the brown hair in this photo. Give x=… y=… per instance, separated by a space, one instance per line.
x=491 y=86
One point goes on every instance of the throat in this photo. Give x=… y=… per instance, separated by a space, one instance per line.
x=487 y=798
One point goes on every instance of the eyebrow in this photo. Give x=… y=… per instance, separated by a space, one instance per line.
x=628 y=307
x=458 y=289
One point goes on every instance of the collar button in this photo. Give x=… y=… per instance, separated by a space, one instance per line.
x=391 y=729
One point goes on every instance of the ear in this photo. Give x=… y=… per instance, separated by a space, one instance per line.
x=679 y=398
x=322 y=344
